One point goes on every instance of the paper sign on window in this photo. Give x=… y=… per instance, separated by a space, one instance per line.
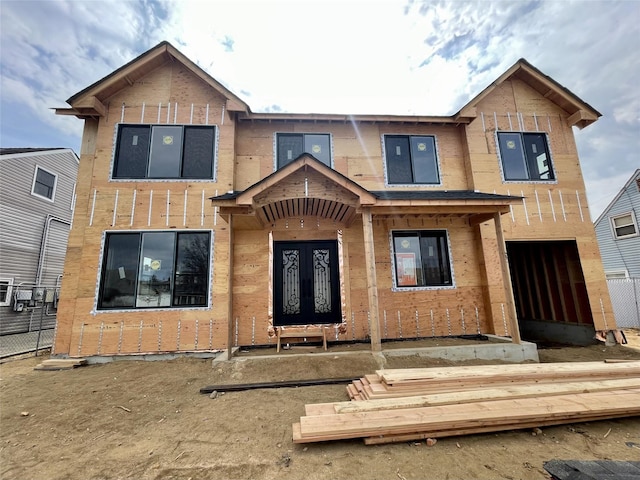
x=406 y=268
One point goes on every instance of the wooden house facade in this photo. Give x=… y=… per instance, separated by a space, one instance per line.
x=201 y=225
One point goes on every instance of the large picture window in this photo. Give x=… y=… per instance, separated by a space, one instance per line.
x=291 y=145
x=525 y=156
x=411 y=159
x=165 y=151
x=155 y=270
x=421 y=258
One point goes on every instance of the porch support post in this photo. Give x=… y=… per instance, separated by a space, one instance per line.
x=230 y=292
x=506 y=279
x=372 y=284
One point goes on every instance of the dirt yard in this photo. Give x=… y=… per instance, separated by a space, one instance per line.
x=147 y=420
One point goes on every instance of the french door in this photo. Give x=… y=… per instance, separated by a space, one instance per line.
x=306 y=285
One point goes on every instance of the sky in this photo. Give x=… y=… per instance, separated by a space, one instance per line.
x=395 y=57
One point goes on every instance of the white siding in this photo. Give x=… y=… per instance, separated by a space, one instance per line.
x=623 y=253
x=23 y=218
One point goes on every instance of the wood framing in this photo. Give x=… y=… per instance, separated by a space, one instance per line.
x=369 y=227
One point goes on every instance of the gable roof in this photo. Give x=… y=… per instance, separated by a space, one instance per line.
x=634 y=178
x=580 y=113
x=89 y=101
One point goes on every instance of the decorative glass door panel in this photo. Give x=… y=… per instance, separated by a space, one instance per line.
x=306 y=283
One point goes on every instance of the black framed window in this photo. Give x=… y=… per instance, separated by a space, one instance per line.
x=421 y=258
x=155 y=270
x=291 y=145
x=44 y=184
x=165 y=151
x=525 y=156
x=411 y=159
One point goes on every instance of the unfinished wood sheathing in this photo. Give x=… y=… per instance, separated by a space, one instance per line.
x=75 y=244
x=357 y=151
x=169 y=94
x=550 y=210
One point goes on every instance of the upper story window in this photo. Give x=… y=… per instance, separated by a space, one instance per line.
x=44 y=184
x=165 y=151
x=624 y=225
x=155 y=270
x=421 y=258
x=525 y=156
x=291 y=145
x=411 y=159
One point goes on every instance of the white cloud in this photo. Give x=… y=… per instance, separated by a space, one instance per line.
x=387 y=57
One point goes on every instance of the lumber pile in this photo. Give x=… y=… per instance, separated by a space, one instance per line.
x=413 y=404
x=61 y=364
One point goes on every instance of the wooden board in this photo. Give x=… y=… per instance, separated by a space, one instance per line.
x=467 y=417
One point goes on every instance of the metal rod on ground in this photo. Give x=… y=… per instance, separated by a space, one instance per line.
x=284 y=384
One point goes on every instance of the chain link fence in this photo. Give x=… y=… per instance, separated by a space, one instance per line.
x=28 y=318
x=625 y=297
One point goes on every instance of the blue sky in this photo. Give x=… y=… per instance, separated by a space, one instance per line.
x=342 y=56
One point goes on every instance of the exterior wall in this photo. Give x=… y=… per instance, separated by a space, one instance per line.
x=357 y=151
x=404 y=314
x=24 y=223
x=170 y=94
x=620 y=254
x=551 y=210
x=467 y=158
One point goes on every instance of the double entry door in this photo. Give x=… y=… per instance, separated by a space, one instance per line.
x=306 y=283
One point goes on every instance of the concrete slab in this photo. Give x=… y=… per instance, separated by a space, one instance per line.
x=508 y=352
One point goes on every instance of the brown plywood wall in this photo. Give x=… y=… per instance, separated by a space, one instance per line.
x=170 y=94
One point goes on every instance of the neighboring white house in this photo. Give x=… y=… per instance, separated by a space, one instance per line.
x=618 y=234
x=37 y=197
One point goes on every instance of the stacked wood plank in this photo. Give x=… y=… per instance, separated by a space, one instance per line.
x=402 y=405
x=61 y=364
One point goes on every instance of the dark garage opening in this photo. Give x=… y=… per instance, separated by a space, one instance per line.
x=550 y=293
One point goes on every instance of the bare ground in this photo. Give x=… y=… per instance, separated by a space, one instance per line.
x=147 y=420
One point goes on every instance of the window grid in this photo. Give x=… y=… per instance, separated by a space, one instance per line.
x=624 y=225
x=44 y=184
x=6 y=290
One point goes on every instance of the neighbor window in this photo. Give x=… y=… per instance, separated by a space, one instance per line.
x=44 y=184
x=616 y=274
x=291 y=145
x=411 y=159
x=624 y=225
x=6 y=287
x=155 y=270
x=165 y=151
x=421 y=258
x=525 y=156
